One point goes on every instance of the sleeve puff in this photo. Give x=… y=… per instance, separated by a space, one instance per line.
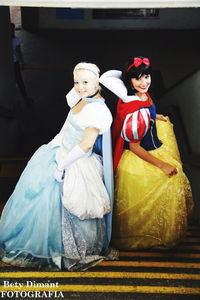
x=96 y=115
x=136 y=125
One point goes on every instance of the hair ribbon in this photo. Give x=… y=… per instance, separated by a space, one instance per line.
x=137 y=61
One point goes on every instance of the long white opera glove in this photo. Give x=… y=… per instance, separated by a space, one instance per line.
x=74 y=154
x=113 y=82
x=72 y=98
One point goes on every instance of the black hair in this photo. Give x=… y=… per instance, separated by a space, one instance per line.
x=133 y=72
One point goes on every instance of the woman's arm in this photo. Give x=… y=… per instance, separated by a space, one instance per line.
x=168 y=169
x=85 y=145
x=89 y=138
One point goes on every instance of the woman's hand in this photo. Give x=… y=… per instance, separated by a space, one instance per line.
x=168 y=169
x=161 y=117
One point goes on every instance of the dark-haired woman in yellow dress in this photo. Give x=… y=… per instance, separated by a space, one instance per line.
x=153 y=197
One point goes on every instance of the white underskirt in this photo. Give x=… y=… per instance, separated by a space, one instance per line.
x=84 y=192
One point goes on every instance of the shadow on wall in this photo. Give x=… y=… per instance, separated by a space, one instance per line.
x=182 y=102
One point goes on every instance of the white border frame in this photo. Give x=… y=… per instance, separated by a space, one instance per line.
x=102 y=3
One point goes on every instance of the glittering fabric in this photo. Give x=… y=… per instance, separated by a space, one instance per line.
x=151 y=210
x=37 y=231
x=82 y=240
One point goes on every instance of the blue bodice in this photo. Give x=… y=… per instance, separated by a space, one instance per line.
x=150 y=141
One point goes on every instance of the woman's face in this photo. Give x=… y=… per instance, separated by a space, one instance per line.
x=141 y=84
x=86 y=83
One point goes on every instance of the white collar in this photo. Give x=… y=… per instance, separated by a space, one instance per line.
x=112 y=81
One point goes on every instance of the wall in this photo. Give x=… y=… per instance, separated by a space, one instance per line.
x=170 y=37
x=175 y=18
x=185 y=96
x=9 y=135
x=6 y=65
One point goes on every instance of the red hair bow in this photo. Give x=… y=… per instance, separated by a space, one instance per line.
x=138 y=61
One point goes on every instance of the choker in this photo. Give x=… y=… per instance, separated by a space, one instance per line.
x=94 y=94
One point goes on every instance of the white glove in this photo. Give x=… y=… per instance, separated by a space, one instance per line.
x=112 y=81
x=72 y=98
x=74 y=154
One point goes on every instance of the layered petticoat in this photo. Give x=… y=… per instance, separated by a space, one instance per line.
x=151 y=210
x=37 y=231
x=86 y=197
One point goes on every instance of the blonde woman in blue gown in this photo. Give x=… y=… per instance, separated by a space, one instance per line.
x=59 y=215
x=153 y=197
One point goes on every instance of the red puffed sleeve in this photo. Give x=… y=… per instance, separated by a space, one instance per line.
x=136 y=125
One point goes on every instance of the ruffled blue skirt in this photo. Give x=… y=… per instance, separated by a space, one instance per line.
x=37 y=231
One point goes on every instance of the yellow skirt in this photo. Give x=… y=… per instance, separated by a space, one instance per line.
x=151 y=210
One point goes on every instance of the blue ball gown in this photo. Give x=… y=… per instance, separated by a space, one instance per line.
x=36 y=230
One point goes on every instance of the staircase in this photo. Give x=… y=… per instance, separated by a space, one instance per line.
x=153 y=274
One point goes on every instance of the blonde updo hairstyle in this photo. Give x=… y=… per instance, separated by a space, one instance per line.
x=89 y=67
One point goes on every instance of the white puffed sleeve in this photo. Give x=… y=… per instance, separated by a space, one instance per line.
x=95 y=115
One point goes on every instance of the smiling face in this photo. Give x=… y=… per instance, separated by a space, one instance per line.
x=141 y=84
x=86 y=83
